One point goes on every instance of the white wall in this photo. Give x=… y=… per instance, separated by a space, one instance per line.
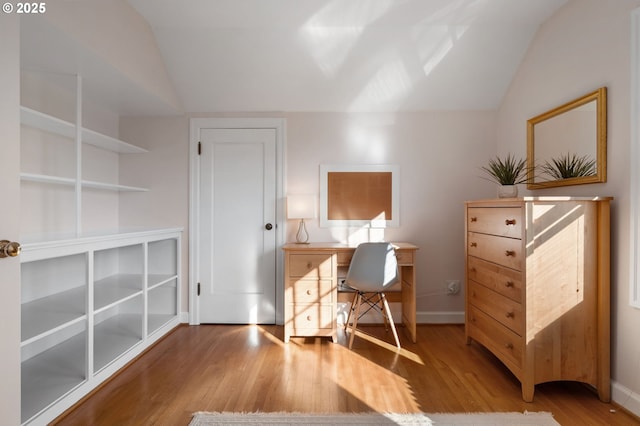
x=165 y=171
x=115 y=35
x=584 y=46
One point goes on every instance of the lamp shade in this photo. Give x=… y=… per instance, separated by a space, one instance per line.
x=301 y=206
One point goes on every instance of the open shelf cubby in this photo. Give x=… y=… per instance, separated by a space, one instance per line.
x=161 y=304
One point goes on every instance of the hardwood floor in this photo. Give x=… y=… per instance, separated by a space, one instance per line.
x=249 y=368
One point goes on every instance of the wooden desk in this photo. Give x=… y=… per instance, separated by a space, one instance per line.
x=311 y=287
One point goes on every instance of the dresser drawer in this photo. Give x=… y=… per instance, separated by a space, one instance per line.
x=312 y=316
x=504 y=343
x=503 y=221
x=498 y=278
x=310 y=265
x=503 y=309
x=503 y=251
x=310 y=291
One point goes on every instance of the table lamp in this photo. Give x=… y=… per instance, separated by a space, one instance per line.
x=301 y=206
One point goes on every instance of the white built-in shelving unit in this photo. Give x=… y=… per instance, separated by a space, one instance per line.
x=92 y=300
x=89 y=306
x=56 y=126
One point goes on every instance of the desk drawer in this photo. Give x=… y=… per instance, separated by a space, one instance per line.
x=310 y=265
x=503 y=309
x=404 y=257
x=344 y=257
x=503 y=251
x=503 y=221
x=310 y=291
x=313 y=316
x=500 y=279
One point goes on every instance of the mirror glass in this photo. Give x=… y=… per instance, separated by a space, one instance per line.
x=568 y=144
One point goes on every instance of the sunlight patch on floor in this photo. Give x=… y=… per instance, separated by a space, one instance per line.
x=390 y=347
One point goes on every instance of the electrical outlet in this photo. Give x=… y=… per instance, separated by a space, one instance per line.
x=453 y=286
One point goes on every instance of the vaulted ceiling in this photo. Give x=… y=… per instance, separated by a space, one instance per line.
x=338 y=55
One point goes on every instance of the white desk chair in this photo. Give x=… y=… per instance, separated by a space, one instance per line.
x=373 y=269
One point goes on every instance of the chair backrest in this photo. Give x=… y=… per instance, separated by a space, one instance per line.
x=374 y=267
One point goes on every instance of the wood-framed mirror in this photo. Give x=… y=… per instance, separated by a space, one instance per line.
x=568 y=144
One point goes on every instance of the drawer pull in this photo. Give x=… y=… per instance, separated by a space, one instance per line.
x=308 y=317
x=510 y=314
x=309 y=292
x=309 y=265
x=509 y=284
x=474 y=244
x=510 y=222
x=473 y=219
x=510 y=253
x=509 y=345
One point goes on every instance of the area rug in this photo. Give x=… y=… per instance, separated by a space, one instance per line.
x=476 y=419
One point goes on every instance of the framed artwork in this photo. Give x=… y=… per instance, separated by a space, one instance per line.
x=359 y=195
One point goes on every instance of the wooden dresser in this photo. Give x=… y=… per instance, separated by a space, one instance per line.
x=537 y=287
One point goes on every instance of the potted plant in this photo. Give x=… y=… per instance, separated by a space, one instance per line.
x=569 y=166
x=507 y=173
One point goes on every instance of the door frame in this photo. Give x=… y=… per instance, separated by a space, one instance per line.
x=195 y=126
x=10 y=338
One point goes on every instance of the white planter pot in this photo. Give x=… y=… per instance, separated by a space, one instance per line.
x=507 y=191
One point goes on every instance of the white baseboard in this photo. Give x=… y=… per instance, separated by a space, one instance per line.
x=445 y=317
x=625 y=398
x=184 y=317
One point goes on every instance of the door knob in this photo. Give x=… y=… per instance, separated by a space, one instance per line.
x=268 y=227
x=9 y=249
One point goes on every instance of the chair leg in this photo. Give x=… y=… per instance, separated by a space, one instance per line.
x=351 y=309
x=384 y=314
x=355 y=319
x=393 y=326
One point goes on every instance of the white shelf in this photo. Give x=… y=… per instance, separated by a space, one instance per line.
x=156 y=321
x=111 y=187
x=116 y=289
x=47 y=315
x=114 y=337
x=156 y=280
x=52 y=374
x=39 y=120
x=57 y=180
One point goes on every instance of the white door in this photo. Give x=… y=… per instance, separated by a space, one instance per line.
x=237 y=238
x=10 y=218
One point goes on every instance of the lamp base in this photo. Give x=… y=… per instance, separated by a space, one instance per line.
x=302 y=236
